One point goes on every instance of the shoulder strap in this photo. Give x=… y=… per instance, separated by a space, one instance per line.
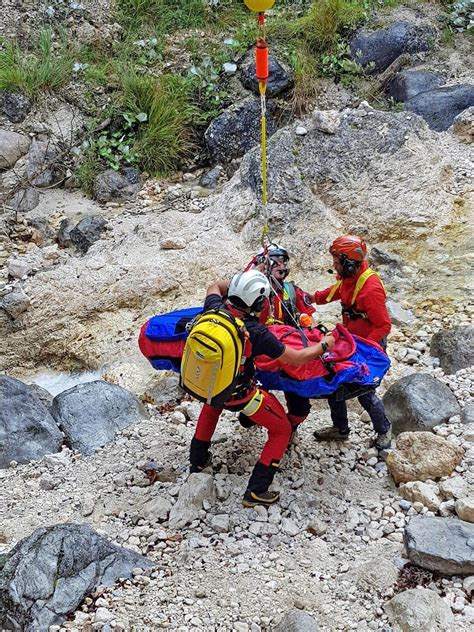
x=289 y=292
x=361 y=282
x=333 y=290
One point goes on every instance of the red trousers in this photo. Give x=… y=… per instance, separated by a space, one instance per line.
x=269 y=413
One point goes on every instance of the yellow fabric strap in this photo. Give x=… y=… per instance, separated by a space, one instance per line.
x=334 y=289
x=253 y=404
x=361 y=282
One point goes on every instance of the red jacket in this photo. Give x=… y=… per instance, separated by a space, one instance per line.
x=302 y=305
x=370 y=301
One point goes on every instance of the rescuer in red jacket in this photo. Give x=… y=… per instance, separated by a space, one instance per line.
x=364 y=313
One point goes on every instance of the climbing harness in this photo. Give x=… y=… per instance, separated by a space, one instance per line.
x=262 y=74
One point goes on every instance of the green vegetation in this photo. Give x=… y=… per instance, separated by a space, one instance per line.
x=32 y=72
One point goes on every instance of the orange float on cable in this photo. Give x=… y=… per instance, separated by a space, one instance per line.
x=261 y=60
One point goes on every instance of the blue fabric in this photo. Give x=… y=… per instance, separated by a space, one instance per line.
x=163 y=327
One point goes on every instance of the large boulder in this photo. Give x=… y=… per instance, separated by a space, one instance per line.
x=419 y=402
x=408 y=83
x=297 y=621
x=445 y=545
x=454 y=348
x=91 y=414
x=195 y=490
x=27 y=430
x=236 y=130
x=376 y=51
x=48 y=574
x=15 y=106
x=87 y=231
x=419 y=610
x=12 y=147
x=439 y=107
x=112 y=186
x=280 y=79
x=44 y=166
x=422 y=456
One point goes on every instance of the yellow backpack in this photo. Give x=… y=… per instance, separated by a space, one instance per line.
x=213 y=356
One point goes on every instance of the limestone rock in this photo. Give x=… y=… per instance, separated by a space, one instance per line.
x=156 y=509
x=416 y=491
x=376 y=51
x=87 y=231
x=64 y=233
x=42 y=394
x=454 y=348
x=15 y=106
x=463 y=126
x=419 y=610
x=376 y=574
x=467 y=413
x=297 y=621
x=398 y=315
x=419 y=402
x=27 y=430
x=112 y=185
x=173 y=243
x=44 y=166
x=195 y=490
x=441 y=544
x=454 y=487
x=24 y=200
x=91 y=414
x=236 y=130
x=326 y=121
x=47 y=575
x=420 y=456
x=12 y=147
x=465 y=509
x=408 y=83
x=440 y=107
x=209 y=179
x=280 y=79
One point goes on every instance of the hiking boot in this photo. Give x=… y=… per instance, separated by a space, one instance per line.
x=195 y=469
x=331 y=433
x=383 y=440
x=251 y=499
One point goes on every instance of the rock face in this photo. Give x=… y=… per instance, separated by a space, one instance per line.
x=27 y=430
x=463 y=126
x=15 y=106
x=12 y=147
x=376 y=51
x=419 y=610
x=454 y=348
x=46 y=575
x=445 y=545
x=280 y=78
x=420 y=456
x=87 y=231
x=91 y=414
x=236 y=130
x=297 y=621
x=197 y=488
x=440 y=107
x=409 y=83
x=419 y=402
x=114 y=186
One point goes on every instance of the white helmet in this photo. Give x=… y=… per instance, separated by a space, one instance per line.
x=248 y=289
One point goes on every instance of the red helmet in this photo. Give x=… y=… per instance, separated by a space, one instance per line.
x=352 y=246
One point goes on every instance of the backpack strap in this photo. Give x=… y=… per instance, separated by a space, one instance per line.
x=361 y=282
x=333 y=290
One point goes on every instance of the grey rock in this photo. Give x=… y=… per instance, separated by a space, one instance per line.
x=64 y=233
x=445 y=545
x=236 y=130
x=18 y=268
x=165 y=391
x=381 y=257
x=440 y=107
x=87 y=231
x=44 y=232
x=209 y=179
x=419 y=402
x=409 y=83
x=398 y=315
x=12 y=147
x=419 y=610
x=111 y=185
x=467 y=413
x=194 y=491
x=24 y=200
x=15 y=106
x=376 y=51
x=91 y=414
x=27 y=429
x=280 y=79
x=42 y=394
x=44 y=167
x=463 y=125
x=15 y=303
x=156 y=509
x=297 y=621
x=454 y=348
x=47 y=575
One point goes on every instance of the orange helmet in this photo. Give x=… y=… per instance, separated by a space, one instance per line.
x=353 y=247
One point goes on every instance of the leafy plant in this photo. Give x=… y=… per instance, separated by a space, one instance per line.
x=115 y=147
x=462 y=15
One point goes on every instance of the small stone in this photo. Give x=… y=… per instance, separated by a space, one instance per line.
x=317 y=527
x=465 y=509
x=301 y=131
x=173 y=243
x=220 y=523
x=178 y=418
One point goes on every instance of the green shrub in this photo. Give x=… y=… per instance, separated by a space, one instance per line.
x=462 y=15
x=42 y=69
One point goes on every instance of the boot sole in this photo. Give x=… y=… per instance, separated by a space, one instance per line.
x=322 y=439
x=254 y=503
